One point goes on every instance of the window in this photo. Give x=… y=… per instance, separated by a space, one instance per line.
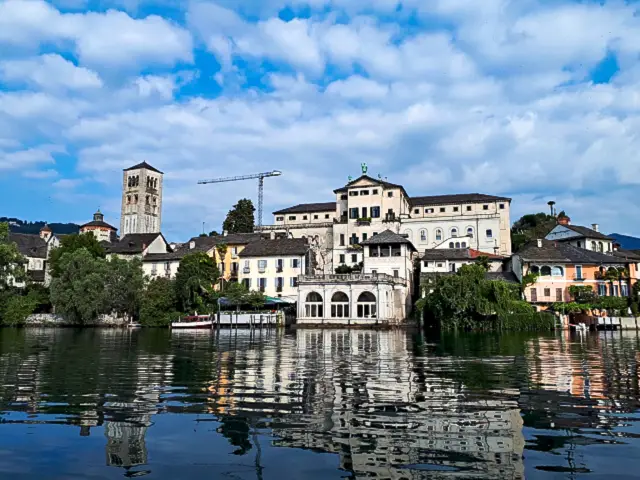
x=154 y=268
x=428 y=210
x=247 y=267
x=452 y=245
x=416 y=211
x=594 y=246
x=343 y=196
x=353 y=193
x=469 y=208
x=600 y=247
x=315 y=217
x=375 y=212
x=457 y=244
x=262 y=265
x=313 y=305
x=342 y=239
x=545 y=271
x=470 y=232
x=426 y=264
x=502 y=206
x=292 y=217
x=396 y=274
x=364 y=212
x=579 y=244
x=534 y=294
x=440 y=265
x=326 y=216
x=305 y=217
x=443 y=209
x=625 y=290
x=438 y=235
x=354 y=258
x=353 y=213
x=340 y=305
x=279 y=284
x=366 y=305
x=364 y=192
x=602 y=289
x=247 y=283
x=423 y=235
x=293 y=282
x=375 y=191
x=557 y=271
x=489 y=233
x=390 y=194
x=353 y=240
x=579 y=272
x=342 y=258
x=454 y=232
x=262 y=284
x=279 y=219
x=364 y=237
x=464 y=244
x=547 y=292
x=455 y=209
x=295 y=262
x=485 y=207
x=559 y=295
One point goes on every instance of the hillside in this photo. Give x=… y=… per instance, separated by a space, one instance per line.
x=626 y=242
x=20 y=226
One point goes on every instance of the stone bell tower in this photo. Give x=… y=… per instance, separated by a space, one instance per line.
x=141 y=200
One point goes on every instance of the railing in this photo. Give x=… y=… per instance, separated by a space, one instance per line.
x=285 y=226
x=350 y=277
x=279 y=269
x=246 y=270
x=579 y=278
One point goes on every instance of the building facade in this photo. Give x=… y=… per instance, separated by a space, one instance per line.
x=367 y=206
x=141 y=210
x=100 y=229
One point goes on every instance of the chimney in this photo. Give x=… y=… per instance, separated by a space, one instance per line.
x=595 y=227
x=539 y=243
x=224 y=233
x=564 y=221
x=192 y=244
x=272 y=235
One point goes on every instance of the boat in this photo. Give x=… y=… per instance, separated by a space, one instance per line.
x=193 y=321
x=134 y=325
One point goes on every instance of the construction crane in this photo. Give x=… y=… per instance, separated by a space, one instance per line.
x=259 y=176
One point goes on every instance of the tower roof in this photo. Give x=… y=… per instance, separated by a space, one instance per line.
x=143 y=165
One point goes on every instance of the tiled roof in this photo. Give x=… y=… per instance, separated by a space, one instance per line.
x=633 y=255
x=561 y=252
x=457 y=254
x=133 y=243
x=388 y=237
x=309 y=208
x=97 y=223
x=383 y=183
x=164 y=257
x=276 y=247
x=456 y=198
x=143 y=165
x=29 y=245
x=587 y=232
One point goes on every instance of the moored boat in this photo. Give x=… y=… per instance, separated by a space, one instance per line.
x=193 y=321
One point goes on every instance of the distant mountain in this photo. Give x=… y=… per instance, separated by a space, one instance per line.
x=20 y=226
x=626 y=242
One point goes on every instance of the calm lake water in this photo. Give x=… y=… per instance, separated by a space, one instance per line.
x=313 y=404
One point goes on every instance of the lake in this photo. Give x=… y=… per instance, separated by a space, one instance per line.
x=317 y=404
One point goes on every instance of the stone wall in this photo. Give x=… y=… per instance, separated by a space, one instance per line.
x=53 y=320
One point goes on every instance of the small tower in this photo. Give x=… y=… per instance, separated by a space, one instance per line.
x=45 y=233
x=141 y=200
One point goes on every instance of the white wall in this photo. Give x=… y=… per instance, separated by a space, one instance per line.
x=270 y=273
x=444 y=266
x=154 y=269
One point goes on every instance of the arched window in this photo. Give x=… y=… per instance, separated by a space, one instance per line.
x=545 y=271
x=457 y=244
x=594 y=246
x=340 y=305
x=452 y=245
x=438 y=235
x=470 y=232
x=128 y=199
x=557 y=271
x=423 y=236
x=464 y=244
x=601 y=247
x=367 y=305
x=313 y=305
x=535 y=269
x=454 y=232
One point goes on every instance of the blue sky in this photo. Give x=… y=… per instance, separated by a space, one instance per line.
x=534 y=99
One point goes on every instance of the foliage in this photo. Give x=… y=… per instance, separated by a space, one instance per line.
x=41 y=295
x=570 y=307
x=528 y=279
x=72 y=243
x=16 y=308
x=11 y=261
x=124 y=287
x=241 y=218
x=237 y=294
x=582 y=293
x=194 y=282
x=21 y=226
x=468 y=300
x=483 y=261
x=615 y=305
x=213 y=233
x=158 y=305
x=255 y=299
x=344 y=269
x=531 y=227
x=78 y=291
x=222 y=250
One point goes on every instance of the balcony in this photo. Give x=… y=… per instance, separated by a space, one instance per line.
x=262 y=269
x=279 y=269
x=579 y=278
x=363 y=222
x=246 y=270
x=351 y=278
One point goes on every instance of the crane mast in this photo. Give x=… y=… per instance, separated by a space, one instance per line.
x=259 y=176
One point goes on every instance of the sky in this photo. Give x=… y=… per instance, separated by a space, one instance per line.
x=537 y=100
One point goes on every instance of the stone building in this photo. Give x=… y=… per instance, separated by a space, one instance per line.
x=366 y=206
x=141 y=210
x=100 y=229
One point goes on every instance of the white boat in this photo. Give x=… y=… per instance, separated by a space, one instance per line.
x=193 y=321
x=134 y=325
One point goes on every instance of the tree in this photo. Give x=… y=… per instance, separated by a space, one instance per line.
x=551 y=204
x=124 y=286
x=159 y=306
x=194 y=282
x=582 y=294
x=72 y=243
x=78 y=292
x=213 y=233
x=256 y=299
x=240 y=218
x=483 y=261
x=531 y=227
x=235 y=293
x=11 y=261
x=16 y=308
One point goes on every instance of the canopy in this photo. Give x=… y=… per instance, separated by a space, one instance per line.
x=268 y=301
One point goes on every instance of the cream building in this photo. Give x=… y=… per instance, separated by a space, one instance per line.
x=366 y=206
x=273 y=266
x=100 y=229
x=141 y=210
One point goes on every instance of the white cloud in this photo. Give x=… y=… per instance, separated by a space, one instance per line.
x=28 y=158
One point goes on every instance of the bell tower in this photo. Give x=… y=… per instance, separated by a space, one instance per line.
x=141 y=210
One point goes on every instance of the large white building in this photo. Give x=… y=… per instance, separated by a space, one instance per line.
x=366 y=206
x=141 y=210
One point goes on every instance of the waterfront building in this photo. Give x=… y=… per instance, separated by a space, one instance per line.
x=367 y=205
x=141 y=210
x=100 y=229
x=36 y=250
x=379 y=293
x=273 y=266
x=581 y=237
x=560 y=265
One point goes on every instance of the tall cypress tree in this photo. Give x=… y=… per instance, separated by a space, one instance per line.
x=241 y=218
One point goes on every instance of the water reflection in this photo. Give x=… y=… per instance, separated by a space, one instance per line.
x=388 y=405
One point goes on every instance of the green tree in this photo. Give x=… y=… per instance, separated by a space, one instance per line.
x=582 y=294
x=78 y=292
x=196 y=276
x=531 y=227
x=235 y=293
x=16 y=308
x=255 y=299
x=159 y=308
x=72 y=243
x=124 y=287
x=241 y=218
x=11 y=261
x=483 y=261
